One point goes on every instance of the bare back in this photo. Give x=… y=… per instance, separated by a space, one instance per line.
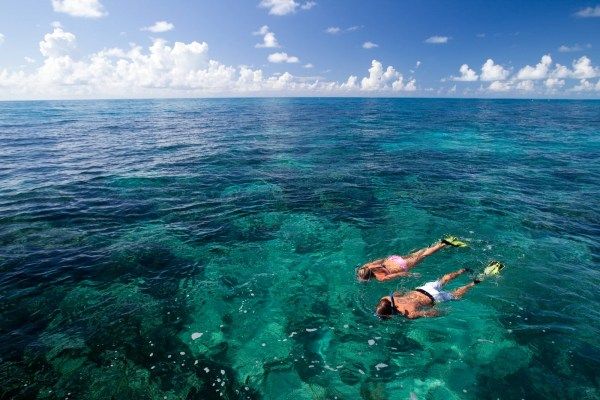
x=412 y=303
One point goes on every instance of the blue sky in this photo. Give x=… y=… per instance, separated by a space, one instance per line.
x=108 y=48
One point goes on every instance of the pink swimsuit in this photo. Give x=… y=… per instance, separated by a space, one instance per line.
x=401 y=262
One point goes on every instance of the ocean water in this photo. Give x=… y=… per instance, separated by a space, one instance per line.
x=205 y=249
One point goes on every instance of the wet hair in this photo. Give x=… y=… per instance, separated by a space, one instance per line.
x=384 y=309
x=364 y=273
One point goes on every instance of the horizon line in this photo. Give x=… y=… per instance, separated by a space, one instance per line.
x=298 y=97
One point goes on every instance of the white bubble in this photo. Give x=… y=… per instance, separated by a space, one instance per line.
x=196 y=335
x=380 y=366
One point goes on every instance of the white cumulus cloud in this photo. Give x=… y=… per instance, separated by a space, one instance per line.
x=279 y=7
x=466 y=74
x=589 y=12
x=379 y=78
x=350 y=84
x=2 y=38
x=493 y=72
x=58 y=43
x=560 y=71
x=80 y=8
x=576 y=47
x=586 y=86
x=282 y=58
x=583 y=69
x=369 y=45
x=526 y=85
x=309 y=65
x=538 y=72
x=410 y=86
x=437 y=39
x=552 y=83
x=159 y=27
x=269 y=39
x=308 y=5
x=499 y=86
x=284 y=7
x=334 y=30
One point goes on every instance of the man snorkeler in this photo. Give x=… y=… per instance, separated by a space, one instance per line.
x=420 y=302
x=395 y=266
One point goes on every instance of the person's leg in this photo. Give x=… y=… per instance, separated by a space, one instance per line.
x=448 y=277
x=460 y=292
x=418 y=256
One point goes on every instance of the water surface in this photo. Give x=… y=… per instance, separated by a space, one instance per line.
x=205 y=249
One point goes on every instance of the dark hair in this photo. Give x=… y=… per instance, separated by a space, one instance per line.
x=364 y=273
x=384 y=308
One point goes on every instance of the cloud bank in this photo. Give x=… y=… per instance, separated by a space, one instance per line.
x=552 y=75
x=167 y=69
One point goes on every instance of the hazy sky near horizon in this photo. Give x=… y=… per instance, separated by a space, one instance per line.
x=110 y=48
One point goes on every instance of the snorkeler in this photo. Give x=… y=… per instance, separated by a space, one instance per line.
x=395 y=266
x=419 y=302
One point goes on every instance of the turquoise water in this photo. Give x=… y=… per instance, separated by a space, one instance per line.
x=205 y=249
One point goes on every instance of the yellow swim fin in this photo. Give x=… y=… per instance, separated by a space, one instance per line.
x=493 y=268
x=453 y=241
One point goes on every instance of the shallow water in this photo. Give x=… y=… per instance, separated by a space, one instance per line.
x=206 y=248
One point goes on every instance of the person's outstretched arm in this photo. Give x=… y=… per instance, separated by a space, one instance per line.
x=394 y=275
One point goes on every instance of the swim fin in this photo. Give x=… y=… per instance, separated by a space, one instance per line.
x=453 y=241
x=493 y=268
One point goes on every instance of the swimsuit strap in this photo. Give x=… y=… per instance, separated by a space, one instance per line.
x=394 y=311
x=426 y=293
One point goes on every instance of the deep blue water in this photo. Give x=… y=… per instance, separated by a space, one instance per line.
x=206 y=249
